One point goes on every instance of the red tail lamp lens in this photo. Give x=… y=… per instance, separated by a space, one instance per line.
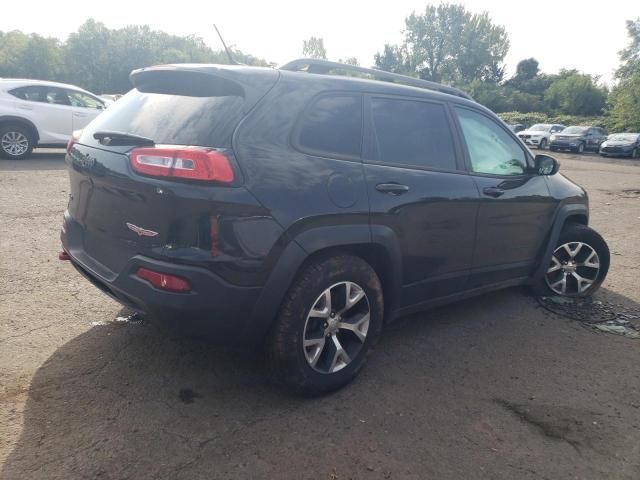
x=164 y=281
x=192 y=163
x=73 y=139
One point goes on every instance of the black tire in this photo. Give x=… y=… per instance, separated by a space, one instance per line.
x=553 y=149
x=287 y=355
x=579 y=233
x=580 y=148
x=543 y=144
x=7 y=148
x=635 y=153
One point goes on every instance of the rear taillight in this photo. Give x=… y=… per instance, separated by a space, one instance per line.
x=164 y=281
x=73 y=139
x=192 y=163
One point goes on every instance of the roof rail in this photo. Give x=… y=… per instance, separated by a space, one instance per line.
x=325 y=66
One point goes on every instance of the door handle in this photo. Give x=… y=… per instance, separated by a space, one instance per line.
x=493 y=192
x=25 y=107
x=79 y=114
x=392 y=188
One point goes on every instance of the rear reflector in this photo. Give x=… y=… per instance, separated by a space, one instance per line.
x=164 y=281
x=193 y=163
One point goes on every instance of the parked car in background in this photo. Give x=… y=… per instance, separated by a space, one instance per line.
x=516 y=127
x=44 y=114
x=539 y=134
x=578 y=139
x=621 y=144
x=306 y=211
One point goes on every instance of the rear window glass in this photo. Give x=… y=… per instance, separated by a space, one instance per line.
x=174 y=119
x=332 y=125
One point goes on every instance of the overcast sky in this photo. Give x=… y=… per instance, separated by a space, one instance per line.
x=559 y=33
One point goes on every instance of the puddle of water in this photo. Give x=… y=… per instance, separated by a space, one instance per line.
x=600 y=315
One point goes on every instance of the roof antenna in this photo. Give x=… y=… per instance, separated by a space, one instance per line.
x=231 y=60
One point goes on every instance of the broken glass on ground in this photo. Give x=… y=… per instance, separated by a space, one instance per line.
x=602 y=316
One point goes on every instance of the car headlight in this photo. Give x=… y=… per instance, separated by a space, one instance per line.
x=553 y=137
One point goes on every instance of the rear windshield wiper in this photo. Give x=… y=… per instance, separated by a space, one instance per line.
x=115 y=139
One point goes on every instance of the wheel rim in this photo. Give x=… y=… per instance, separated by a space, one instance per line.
x=15 y=143
x=581 y=148
x=336 y=327
x=574 y=268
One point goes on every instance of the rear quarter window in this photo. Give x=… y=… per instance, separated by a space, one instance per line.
x=174 y=119
x=331 y=126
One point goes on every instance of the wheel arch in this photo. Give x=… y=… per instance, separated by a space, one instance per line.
x=11 y=120
x=377 y=246
x=573 y=214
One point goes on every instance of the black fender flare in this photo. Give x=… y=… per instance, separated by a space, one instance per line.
x=27 y=123
x=564 y=212
x=300 y=249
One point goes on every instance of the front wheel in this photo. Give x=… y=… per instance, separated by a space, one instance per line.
x=543 y=144
x=635 y=153
x=16 y=142
x=578 y=266
x=329 y=320
x=580 y=148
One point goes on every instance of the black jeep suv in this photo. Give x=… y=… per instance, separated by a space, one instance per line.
x=301 y=210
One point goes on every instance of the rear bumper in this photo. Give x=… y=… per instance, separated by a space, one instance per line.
x=214 y=308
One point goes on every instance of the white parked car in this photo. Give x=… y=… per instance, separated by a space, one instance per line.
x=538 y=135
x=44 y=114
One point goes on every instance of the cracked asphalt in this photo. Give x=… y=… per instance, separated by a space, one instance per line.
x=495 y=387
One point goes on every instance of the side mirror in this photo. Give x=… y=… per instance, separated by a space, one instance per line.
x=546 y=165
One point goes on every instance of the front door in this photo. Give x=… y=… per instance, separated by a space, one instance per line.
x=418 y=190
x=85 y=108
x=515 y=208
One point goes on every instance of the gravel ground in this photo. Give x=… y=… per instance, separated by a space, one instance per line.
x=494 y=387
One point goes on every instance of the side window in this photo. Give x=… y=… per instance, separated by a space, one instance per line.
x=412 y=133
x=31 y=93
x=57 y=96
x=491 y=149
x=79 y=99
x=332 y=125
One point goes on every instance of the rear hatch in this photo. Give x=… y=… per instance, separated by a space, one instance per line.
x=121 y=202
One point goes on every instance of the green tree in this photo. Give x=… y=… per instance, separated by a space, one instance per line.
x=392 y=59
x=448 y=43
x=30 y=56
x=526 y=69
x=630 y=56
x=575 y=94
x=314 y=48
x=624 y=101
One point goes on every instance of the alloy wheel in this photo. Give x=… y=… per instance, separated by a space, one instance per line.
x=336 y=327
x=574 y=268
x=14 y=143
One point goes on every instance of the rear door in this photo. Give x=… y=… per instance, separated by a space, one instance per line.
x=85 y=108
x=515 y=207
x=418 y=189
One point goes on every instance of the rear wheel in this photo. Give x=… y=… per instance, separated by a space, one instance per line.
x=543 y=144
x=330 y=319
x=578 y=266
x=16 y=142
